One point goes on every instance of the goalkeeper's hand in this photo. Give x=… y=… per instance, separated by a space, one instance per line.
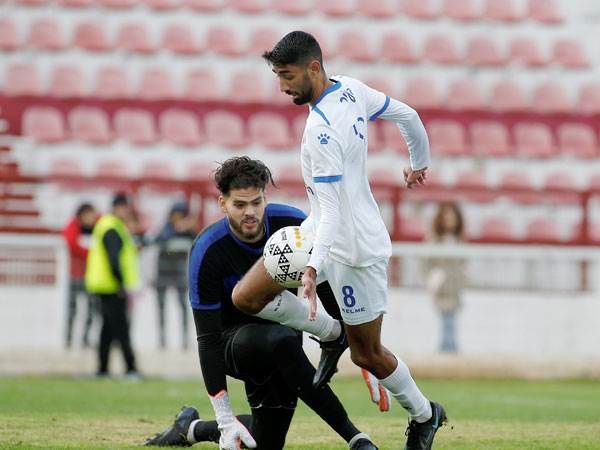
x=233 y=435
x=233 y=432
x=379 y=395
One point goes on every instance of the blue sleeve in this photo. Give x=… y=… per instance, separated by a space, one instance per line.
x=279 y=210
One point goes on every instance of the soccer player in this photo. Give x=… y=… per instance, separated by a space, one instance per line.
x=351 y=245
x=267 y=356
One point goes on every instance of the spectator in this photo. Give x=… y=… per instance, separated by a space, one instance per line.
x=112 y=271
x=445 y=276
x=174 y=241
x=77 y=235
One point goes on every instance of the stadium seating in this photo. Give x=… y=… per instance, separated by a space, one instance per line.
x=270 y=131
x=162 y=5
x=441 y=49
x=201 y=85
x=225 y=129
x=518 y=180
x=136 y=126
x=336 y=8
x=501 y=10
x=496 y=229
x=508 y=96
x=297 y=7
x=355 y=46
x=447 y=137
x=179 y=38
x=9 y=39
x=46 y=34
x=247 y=87
x=484 y=51
x=419 y=9
x=22 y=79
x=463 y=94
x=569 y=53
x=223 y=40
x=381 y=9
x=134 y=37
x=534 y=140
x=44 y=124
x=112 y=82
x=578 y=140
x=489 y=138
x=542 y=230
x=248 y=6
x=156 y=85
x=545 y=11
x=589 y=98
x=90 y=125
x=396 y=48
x=75 y=3
x=551 y=97
x=262 y=39
x=117 y=4
x=66 y=81
x=208 y=6
x=463 y=10
x=526 y=51
x=91 y=35
x=181 y=127
x=422 y=93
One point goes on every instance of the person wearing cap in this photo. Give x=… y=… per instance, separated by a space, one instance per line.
x=174 y=241
x=112 y=271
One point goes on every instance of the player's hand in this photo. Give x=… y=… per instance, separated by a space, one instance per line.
x=233 y=435
x=379 y=395
x=414 y=178
x=309 y=281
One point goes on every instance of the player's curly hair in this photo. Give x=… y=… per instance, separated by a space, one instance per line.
x=297 y=47
x=241 y=172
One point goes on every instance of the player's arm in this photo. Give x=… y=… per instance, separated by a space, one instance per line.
x=113 y=244
x=327 y=170
x=71 y=235
x=411 y=127
x=206 y=297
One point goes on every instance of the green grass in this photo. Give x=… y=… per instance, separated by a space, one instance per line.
x=71 y=413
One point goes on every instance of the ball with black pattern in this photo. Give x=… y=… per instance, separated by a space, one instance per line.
x=286 y=254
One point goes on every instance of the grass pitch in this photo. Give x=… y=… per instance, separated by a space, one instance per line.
x=71 y=413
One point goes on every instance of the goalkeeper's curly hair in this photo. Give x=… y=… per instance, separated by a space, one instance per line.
x=242 y=172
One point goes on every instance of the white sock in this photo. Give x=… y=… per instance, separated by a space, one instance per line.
x=404 y=389
x=190 y=434
x=357 y=437
x=288 y=309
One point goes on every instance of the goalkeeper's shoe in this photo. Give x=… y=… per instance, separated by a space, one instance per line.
x=363 y=444
x=420 y=435
x=330 y=355
x=176 y=434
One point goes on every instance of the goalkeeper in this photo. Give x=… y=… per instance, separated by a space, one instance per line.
x=267 y=356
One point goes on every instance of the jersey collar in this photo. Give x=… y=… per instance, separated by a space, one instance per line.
x=329 y=90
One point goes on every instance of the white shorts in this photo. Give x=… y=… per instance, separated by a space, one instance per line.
x=361 y=292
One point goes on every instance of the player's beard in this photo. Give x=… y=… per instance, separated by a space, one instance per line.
x=305 y=94
x=251 y=236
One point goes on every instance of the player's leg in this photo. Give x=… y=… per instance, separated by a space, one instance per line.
x=257 y=294
x=161 y=293
x=362 y=295
x=280 y=351
x=71 y=309
x=106 y=332
x=182 y=299
x=121 y=330
x=89 y=318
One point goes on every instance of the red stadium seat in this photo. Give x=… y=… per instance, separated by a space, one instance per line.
x=545 y=11
x=63 y=167
x=502 y=10
x=200 y=172
x=440 y=49
x=295 y=8
x=355 y=45
x=392 y=139
x=157 y=84
x=419 y=9
x=422 y=93
x=201 y=85
x=75 y=3
x=161 y=170
x=489 y=138
x=9 y=39
x=91 y=35
x=204 y=5
x=521 y=181
x=298 y=125
x=46 y=34
x=578 y=140
x=569 y=53
x=507 y=96
x=44 y=124
x=262 y=39
x=32 y=2
x=135 y=38
x=179 y=38
x=223 y=40
x=463 y=10
x=412 y=227
x=551 y=97
x=534 y=140
x=247 y=87
x=135 y=126
x=464 y=94
x=563 y=181
x=336 y=8
x=181 y=128
x=66 y=81
x=376 y=142
x=117 y=4
x=381 y=83
x=275 y=95
x=112 y=168
x=162 y=5
x=269 y=130
x=90 y=125
x=526 y=51
x=542 y=230
x=496 y=229
x=112 y=82
x=225 y=129
x=589 y=98
x=381 y=9
x=323 y=38
x=22 y=79
x=484 y=51
x=249 y=6
x=396 y=48
x=447 y=137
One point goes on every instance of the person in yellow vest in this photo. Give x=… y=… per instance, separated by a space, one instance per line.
x=112 y=271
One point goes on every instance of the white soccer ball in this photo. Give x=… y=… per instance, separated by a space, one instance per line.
x=286 y=254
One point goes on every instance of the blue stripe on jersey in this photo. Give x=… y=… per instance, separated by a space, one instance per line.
x=329 y=90
x=382 y=110
x=278 y=210
x=322 y=114
x=211 y=235
x=328 y=179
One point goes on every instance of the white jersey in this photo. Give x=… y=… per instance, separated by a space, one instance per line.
x=344 y=215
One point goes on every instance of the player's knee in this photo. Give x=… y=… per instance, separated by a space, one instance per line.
x=243 y=301
x=366 y=358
